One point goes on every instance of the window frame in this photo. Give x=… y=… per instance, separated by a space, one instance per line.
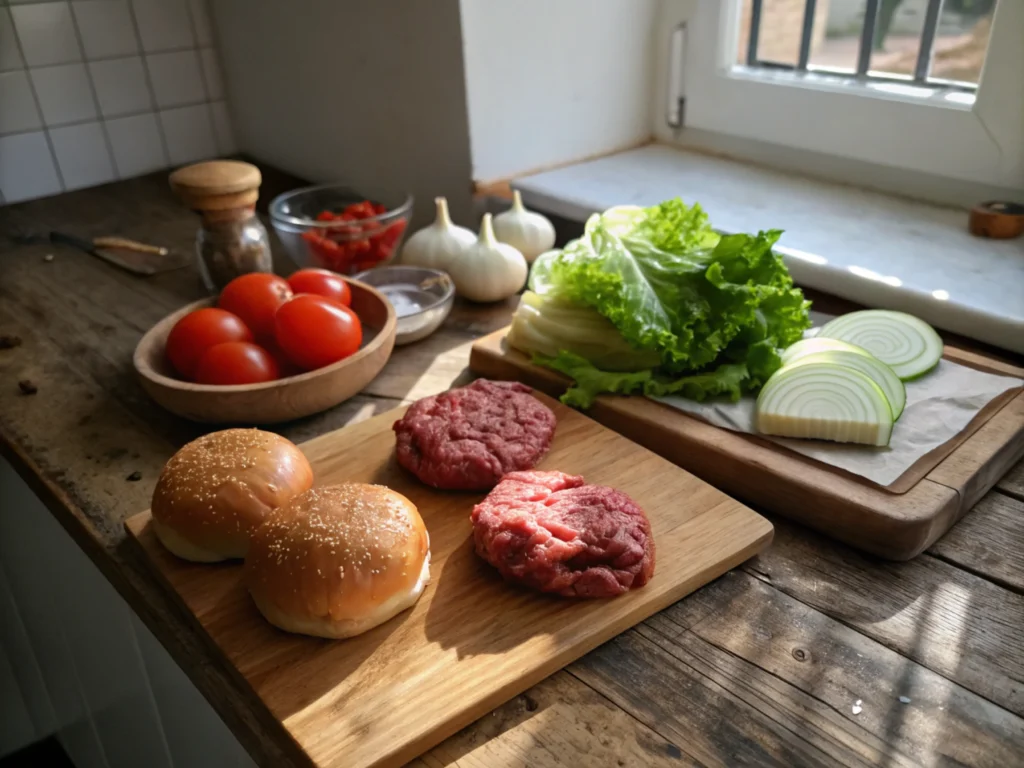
x=921 y=129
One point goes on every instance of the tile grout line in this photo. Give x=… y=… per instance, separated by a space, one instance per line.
x=198 y=49
x=39 y=106
x=98 y=59
x=149 y=85
x=202 y=76
x=108 y=118
x=113 y=57
x=5 y=10
x=95 y=95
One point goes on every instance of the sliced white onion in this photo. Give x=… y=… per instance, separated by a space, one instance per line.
x=810 y=346
x=824 y=402
x=866 y=363
x=906 y=344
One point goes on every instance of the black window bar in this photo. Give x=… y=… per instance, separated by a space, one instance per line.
x=922 y=68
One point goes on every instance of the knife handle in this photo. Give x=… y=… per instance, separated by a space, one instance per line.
x=128 y=245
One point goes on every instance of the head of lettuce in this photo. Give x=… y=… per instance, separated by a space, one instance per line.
x=654 y=301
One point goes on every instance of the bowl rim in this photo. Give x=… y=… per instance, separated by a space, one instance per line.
x=449 y=293
x=276 y=217
x=147 y=371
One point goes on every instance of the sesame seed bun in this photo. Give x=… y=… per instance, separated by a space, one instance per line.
x=216 y=490
x=338 y=560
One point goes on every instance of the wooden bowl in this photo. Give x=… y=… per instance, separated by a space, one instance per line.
x=272 y=401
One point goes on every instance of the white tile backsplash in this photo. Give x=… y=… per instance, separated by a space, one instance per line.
x=64 y=93
x=212 y=74
x=82 y=155
x=189 y=134
x=47 y=33
x=106 y=28
x=222 y=129
x=177 y=78
x=201 y=21
x=10 y=54
x=137 y=145
x=121 y=86
x=140 y=80
x=18 y=110
x=27 y=167
x=164 y=24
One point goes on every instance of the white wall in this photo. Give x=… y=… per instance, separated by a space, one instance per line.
x=371 y=93
x=550 y=81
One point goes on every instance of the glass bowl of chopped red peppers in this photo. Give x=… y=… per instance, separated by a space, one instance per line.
x=333 y=227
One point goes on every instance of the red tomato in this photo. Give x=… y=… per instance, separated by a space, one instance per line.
x=255 y=298
x=236 y=362
x=361 y=210
x=359 y=247
x=322 y=282
x=315 y=331
x=197 y=331
x=285 y=367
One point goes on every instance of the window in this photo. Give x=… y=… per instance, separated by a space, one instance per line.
x=925 y=42
x=928 y=86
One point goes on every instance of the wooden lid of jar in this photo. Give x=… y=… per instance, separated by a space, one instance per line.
x=214 y=179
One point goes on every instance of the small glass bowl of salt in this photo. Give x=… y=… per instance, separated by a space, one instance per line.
x=422 y=298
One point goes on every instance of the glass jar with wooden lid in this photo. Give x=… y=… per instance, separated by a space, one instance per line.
x=232 y=240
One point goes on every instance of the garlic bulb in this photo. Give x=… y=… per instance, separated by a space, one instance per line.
x=435 y=246
x=488 y=270
x=530 y=232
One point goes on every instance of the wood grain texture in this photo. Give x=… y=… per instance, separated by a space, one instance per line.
x=786 y=651
x=559 y=722
x=215 y=177
x=272 y=402
x=471 y=641
x=956 y=624
x=989 y=541
x=91 y=426
x=1012 y=483
x=894 y=526
x=702 y=698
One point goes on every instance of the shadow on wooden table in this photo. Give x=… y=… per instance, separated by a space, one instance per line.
x=914 y=656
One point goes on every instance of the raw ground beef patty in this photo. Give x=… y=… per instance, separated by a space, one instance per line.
x=552 y=532
x=467 y=438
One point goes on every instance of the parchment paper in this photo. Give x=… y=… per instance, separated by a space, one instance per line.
x=939 y=405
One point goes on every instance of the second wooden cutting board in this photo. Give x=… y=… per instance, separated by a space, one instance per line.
x=472 y=641
x=897 y=526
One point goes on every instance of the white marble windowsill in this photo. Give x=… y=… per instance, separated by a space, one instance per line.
x=876 y=249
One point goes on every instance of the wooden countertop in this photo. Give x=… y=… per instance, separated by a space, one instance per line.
x=763 y=666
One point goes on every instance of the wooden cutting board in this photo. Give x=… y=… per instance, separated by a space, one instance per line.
x=472 y=641
x=897 y=526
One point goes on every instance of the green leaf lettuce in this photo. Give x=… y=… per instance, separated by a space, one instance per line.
x=715 y=309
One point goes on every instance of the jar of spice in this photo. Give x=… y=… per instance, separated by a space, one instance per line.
x=232 y=240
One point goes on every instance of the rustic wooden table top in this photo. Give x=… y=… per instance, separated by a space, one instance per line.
x=810 y=654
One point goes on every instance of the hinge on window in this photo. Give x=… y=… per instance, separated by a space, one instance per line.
x=676 y=106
